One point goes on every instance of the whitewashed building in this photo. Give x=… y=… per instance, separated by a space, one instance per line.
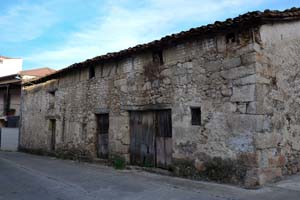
x=10 y=66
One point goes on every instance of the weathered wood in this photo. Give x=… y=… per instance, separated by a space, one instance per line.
x=160 y=152
x=163 y=138
x=164 y=123
x=149 y=131
x=103 y=145
x=102 y=134
x=148 y=135
x=135 y=128
x=142 y=132
x=168 y=152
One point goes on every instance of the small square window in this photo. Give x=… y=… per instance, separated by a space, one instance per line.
x=157 y=57
x=196 y=116
x=230 y=38
x=91 y=72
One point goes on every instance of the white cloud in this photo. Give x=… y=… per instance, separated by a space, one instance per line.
x=124 y=26
x=25 y=22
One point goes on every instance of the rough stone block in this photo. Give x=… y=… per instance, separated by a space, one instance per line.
x=269 y=174
x=249 y=159
x=238 y=72
x=213 y=66
x=252 y=178
x=277 y=161
x=264 y=104
x=242 y=107
x=230 y=63
x=251 y=108
x=241 y=143
x=248 y=58
x=243 y=93
x=245 y=80
x=226 y=91
x=243 y=123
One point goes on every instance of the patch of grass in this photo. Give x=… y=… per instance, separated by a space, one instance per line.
x=119 y=162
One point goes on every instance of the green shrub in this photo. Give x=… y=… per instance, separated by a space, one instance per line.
x=119 y=162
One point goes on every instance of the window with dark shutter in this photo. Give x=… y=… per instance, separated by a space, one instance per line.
x=196 y=116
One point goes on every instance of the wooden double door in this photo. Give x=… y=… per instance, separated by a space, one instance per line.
x=151 y=138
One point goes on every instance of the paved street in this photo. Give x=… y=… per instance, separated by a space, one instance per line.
x=30 y=177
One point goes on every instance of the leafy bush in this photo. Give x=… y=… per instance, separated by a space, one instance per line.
x=119 y=162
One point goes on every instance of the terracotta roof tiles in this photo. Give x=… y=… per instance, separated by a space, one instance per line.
x=249 y=19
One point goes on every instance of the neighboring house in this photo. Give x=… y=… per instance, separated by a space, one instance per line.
x=219 y=101
x=10 y=94
x=35 y=73
x=10 y=66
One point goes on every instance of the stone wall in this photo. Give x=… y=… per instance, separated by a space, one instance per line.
x=217 y=73
x=277 y=98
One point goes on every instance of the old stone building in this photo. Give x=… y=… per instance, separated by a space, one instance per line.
x=10 y=92
x=219 y=101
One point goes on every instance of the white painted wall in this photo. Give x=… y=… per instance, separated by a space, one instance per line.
x=10 y=66
x=9 y=139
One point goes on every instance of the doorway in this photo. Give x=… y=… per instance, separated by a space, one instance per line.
x=151 y=138
x=52 y=134
x=102 y=135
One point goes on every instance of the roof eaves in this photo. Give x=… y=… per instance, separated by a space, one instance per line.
x=250 y=19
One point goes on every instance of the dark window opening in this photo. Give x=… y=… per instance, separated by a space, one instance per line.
x=91 y=72
x=53 y=134
x=157 y=57
x=230 y=38
x=52 y=92
x=196 y=116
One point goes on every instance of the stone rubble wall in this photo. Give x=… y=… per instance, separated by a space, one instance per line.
x=278 y=147
x=215 y=73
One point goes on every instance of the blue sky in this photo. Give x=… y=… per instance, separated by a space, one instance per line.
x=58 y=33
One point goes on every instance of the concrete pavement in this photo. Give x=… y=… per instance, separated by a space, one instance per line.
x=30 y=177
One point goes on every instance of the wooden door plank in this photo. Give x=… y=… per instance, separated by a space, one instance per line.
x=168 y=152
x=148 y=134
x=102 y=135
x=164 y=138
